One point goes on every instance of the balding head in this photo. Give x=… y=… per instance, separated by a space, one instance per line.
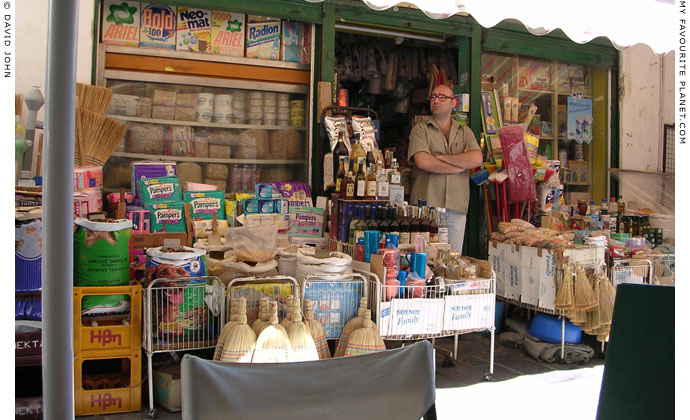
x=443 y=90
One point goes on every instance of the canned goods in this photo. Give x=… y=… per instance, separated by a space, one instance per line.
x=297 y=104
x=297 y=113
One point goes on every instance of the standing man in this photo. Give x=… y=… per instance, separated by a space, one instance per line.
x=442 y=151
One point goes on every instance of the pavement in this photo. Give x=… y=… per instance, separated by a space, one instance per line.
x=520 y=386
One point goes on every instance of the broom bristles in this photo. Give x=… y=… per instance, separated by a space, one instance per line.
x=594 y=317
x=584 y=297
x=606 y=301
x=242 y=341
x=365 y=340
x=564 y=297
x=303 y=346
x=317 y=332
x=288 y=312
x=351 y=325
x=18 y=104
x=94 y=98
x=273 y=344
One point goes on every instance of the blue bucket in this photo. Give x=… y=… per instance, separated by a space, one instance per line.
x=548 y=328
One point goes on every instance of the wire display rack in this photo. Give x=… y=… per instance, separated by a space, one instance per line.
x=664 y=269
x=186 y=313
x=631 y=270
x=276 y=288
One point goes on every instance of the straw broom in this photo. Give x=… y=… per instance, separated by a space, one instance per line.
x=594 y=317
x=351 y=326
x=583 y=296
x=224 y=334
x=93 y=98
x=303 y=346
x=366 y=339
x=263 y=318
x=317 y=331
x=288 y=312
x=607 y=298
x=242 y=341
x=98 y=136
x=273 y=344
x=564 y=297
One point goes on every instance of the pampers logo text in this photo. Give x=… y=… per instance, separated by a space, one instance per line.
x=168 y=215
x=305 y=217
x=206 y=205
x=161 y=190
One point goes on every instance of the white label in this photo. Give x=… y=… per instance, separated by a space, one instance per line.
x=404 y=238
x=371 y=189
x=443 y=234
x=395 y=178
x=361 y=188
x=382 y=190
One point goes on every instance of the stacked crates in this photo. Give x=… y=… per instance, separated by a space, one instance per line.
x=107 y=355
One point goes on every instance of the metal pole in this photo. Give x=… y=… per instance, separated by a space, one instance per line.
x=58 y=170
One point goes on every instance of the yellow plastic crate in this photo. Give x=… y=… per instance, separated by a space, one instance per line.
x=109 y=338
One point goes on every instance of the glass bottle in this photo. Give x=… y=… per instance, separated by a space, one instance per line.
x=381 y=184
x=442 y=226
x=393 y=222
x=371 y=219
x=370 y=192
x=340 y=175
x=424 y=223
x=360 y=181
x=370 y=157
x=394 y=173
x=339 y=151
x=604 y=207
x=404 y=223
x=613 y=207
x=433 y=227
x=354 y=224
x=414 y=224
x=357 y=152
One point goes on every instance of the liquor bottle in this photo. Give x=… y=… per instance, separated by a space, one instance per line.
x=393 y=222
x=357 y=152
x=370 y=192
x=414 y=224
x=360 y=181
x=433 y=227
x=381 y=184
x=350 y=186
x=613 y=207
x=339 y=151
x=370 y=157
x=371 y=220
x=404 y=226
x=354 y=222
x=340 y=175
x=442 y=226
x=424 y=223
x=604 y=207
x=394 y=173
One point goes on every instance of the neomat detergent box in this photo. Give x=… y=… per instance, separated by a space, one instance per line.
x=157 y=26
x=193 y=29
x=263 y=39
x=227 y=33
x=120 y=23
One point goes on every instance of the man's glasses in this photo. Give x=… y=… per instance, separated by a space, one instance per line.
x=441 y=98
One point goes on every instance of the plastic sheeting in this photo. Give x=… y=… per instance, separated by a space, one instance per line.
x=648 y=190
x=392 y=384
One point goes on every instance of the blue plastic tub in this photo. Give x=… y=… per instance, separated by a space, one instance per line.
x=548 y=328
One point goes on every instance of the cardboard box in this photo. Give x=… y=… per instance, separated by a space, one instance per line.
x=293 y=37
x=579 y=171
x=167 y=387
x=468 y=312
x=513 y=274
x=158 y=26
x=227 y=33
x=531 y=270
x=121 y=23
x=497 y=258
x=28 y=256
x=410 y=317
x=193 y=29
x=263 y=39
x=547 y=279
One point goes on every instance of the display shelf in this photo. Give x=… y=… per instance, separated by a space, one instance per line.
x=202 y=124
x=209 y=160
x=547 y=92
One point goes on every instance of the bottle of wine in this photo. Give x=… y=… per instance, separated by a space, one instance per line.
x=360 y=180
x=340 y=176
x=433 y=227
x=414 y=224
x=405 y=228
x=353 y=226
x=424 y=223
x=370 y=193
x=350 y=186
x=339 y=151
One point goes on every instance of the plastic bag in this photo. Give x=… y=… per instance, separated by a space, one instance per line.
x=335 y=125
x=253 y=243
x=415 y=286
x=367 y=132
x=521 y=187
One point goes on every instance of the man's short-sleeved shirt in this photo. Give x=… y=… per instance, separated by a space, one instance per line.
x=449 y=191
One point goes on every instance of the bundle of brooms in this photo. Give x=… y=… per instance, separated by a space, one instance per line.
x=303 y=346
x=366 y=339
x=317 y=331
x=351 y=325
x=225 y=332
x=96 y=136
x=239 y=347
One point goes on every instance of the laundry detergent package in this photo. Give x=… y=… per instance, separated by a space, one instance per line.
x=295 y=42
x=227 y=33
x=160 y=190
x=158 y=26
x=193 y=29
x=121 y=23
x=101 y=252
x=168 y=217
x=263 y=40
x=142 y=170
x=205 y=203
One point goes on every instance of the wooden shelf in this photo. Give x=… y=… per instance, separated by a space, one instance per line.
x=211 y=160
x=210 y=125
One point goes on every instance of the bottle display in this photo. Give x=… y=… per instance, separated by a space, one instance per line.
x=442 y=226
x=339 y=151
x=370 y=191
x=360 y=181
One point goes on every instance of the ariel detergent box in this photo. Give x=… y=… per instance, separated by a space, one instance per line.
x=263 y=38
x=193 y=29
x=158 y=26
x=120 y=23
x=227 y=33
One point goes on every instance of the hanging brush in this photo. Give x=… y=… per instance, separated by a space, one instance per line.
x=273 y=344
x=351 y=326
x=303 y=346
x=93 y=98
x=607 y=298
x=225 y=332
x=317 y=331
x=240 y=345
x=584 y=298
x=97 y=137
x=365 y=340
x=594 y=317
x=564 y=297
x=288 y=312
x=263 y=318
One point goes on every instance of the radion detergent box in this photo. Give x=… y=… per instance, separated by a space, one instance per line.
x=121 y=23
x=227 y=33
x=193 y=29
x=263 y=40
x=158 y=26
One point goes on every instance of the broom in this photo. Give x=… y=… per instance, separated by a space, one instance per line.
x=594 y=317
x=607 y=298
x=564 y=297
x=366 y=339
x=273 y=344
x=288 y=312
x=93 y=98
x=18 y=104
x=351 y=326
x=317 y=331
x=224 y=334
x=261 y=321
x=98 y=136
x=303 y=346
x=583 y=295
x=242 y=341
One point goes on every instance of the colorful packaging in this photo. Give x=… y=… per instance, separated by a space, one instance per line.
x=27 y=256
x=86 y=202
x=231 y=212
x=264 y=191
x=306 y=221
x=263 y=40
x=227 y=33
x=88 y=178
x=180 y=143
x=266 y=207
x=168 y=217
x=101 y=252
x=184 y=262
x=160 y=190
x=141 y=220
x=121 y=23
x=142 y=170
x=295 y=42
x=193 y=29
x=158 y=26
x=297 y=193
x=250 y=206
x=205 y=203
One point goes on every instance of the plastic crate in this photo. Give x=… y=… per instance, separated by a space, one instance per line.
x=118 y=335
x=107 y=400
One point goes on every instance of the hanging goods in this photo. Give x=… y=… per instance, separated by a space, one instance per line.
x=350 y=327
x=303 y=346
x=564 y=297
x=273 y=344
x=317 y=332
x=93 y=98
x=584 y=297
x=97 y=136
x=240 y=345
x=365 y=340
